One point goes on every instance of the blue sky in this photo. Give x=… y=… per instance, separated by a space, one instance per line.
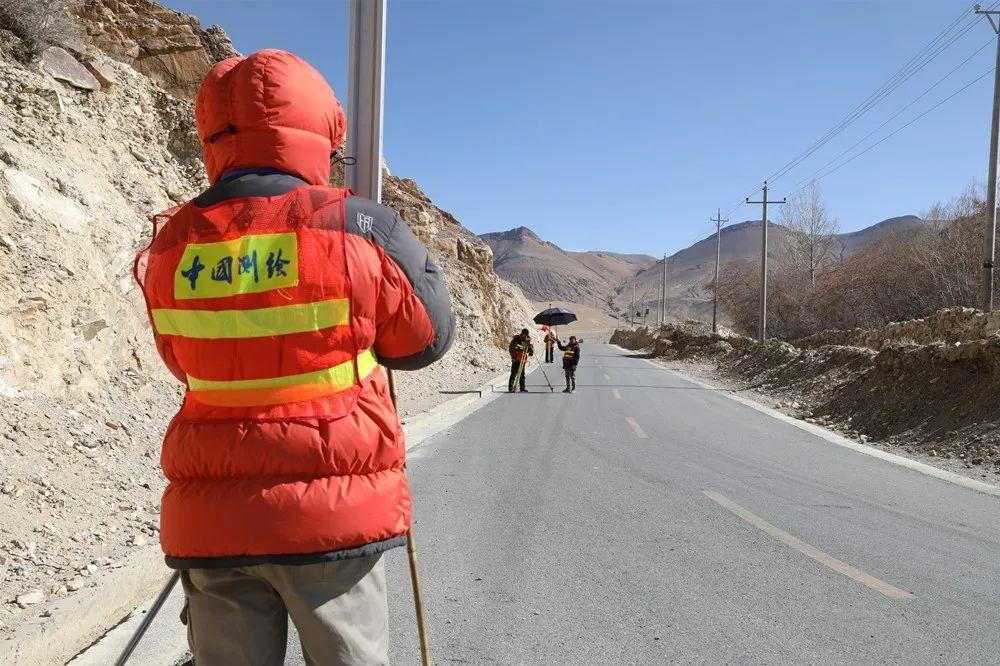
x=623 y=125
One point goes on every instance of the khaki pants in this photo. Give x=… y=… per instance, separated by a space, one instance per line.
x=239 y=616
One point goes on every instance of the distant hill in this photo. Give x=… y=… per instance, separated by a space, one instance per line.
x=690 y=270
x=546 y=272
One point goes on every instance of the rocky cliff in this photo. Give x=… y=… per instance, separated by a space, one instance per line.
x=95 y=136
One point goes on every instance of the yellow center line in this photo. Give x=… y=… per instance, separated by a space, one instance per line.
x=812 y=552
x=616 y=394
x=640 y=433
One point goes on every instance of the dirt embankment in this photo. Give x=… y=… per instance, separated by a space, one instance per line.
x=926 y=387
x=94 y=139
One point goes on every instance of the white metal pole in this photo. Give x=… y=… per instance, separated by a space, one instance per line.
x=365 y=95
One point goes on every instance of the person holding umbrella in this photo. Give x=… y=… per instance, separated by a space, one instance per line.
x=571 y=358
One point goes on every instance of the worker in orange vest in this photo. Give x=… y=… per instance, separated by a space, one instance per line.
x=571 y=359
x=274 y=299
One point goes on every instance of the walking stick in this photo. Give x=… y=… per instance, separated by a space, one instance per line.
x=146 y=621
x=411 y=556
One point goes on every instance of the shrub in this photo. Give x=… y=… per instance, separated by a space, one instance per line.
x=39 y=23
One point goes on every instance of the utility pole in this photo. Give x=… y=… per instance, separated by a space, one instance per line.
x=718 y=255
x=631 y=313
x=762 y=325
x=990 y=232
x=663 y=293
x=365 y=97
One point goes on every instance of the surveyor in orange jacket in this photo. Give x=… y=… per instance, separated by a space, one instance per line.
x=273 y=298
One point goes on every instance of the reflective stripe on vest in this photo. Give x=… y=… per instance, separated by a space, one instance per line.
x=262 y=322
x=569 y=354
x=281 y=390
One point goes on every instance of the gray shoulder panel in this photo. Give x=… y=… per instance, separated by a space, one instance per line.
x=383 y=226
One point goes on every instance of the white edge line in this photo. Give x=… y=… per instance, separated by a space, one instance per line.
x=422 y=426
x=840 y=440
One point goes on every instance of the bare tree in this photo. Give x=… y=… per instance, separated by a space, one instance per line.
x=39 y=23
x=811 y=240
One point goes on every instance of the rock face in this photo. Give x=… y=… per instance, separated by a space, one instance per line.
x=488 y=310
x=84 y=398
x=64 y=67
x=170 y=48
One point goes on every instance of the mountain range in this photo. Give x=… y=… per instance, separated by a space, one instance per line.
x=546 y=272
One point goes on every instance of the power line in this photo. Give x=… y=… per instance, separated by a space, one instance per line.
x=917 y=63
x=902 y=127
x=797 y=185
x=923 y=57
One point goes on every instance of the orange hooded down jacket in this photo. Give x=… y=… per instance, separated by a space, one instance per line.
x=273 y=298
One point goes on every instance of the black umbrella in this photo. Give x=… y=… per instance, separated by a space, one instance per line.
x=555 y=317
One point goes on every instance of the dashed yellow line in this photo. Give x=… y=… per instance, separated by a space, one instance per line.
x=616 y=394
x=795 y=543
x=640 y=433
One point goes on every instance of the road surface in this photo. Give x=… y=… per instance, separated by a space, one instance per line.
x=645 y=520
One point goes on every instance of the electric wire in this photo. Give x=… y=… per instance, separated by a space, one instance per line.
x=924 y=58
x=930 y=51
x=808 y=178
x=902 y=127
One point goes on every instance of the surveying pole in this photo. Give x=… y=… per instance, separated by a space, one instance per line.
x=365 y=96
x=990 y=232
x=762 y=326
x=631 y=314
x=718 y=255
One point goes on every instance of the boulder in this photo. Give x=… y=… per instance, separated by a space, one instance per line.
x=59 y=64
x=102 y=71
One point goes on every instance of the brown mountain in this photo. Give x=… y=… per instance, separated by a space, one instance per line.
x=545 y=272
x=690 y=270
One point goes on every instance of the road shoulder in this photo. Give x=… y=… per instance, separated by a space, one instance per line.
x=830 y=435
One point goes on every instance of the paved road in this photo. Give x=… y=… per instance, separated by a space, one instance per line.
x=559 y=529
x=646 y=520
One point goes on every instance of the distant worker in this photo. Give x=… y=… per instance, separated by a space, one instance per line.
x=274 y=298
x=550 y=343
x=520 y=349
x=571 y=358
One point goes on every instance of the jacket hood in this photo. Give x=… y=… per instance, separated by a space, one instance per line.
x=270 y=109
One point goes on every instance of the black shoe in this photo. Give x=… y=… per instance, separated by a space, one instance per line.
x=566 y=391
x=524 y=390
